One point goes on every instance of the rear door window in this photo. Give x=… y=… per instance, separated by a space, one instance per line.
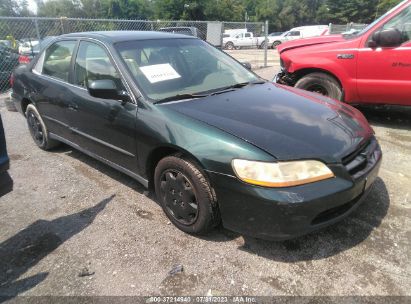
x=57 y=60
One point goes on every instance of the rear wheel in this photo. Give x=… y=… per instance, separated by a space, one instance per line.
x=38 y=129
x=185 y=195
x=229 y=46
x=321 y=83
x=275 y=44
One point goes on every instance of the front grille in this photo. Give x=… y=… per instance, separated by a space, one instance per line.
x=358 y=161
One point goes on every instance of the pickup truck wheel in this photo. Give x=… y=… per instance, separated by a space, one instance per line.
x=275 y=44
x=321 y=83
x=229 y=46
x=185 y=195
x=262 y=45
x=38 y=129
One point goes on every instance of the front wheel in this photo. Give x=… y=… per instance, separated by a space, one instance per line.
x=185 y=195
x=38 y=129
x=321 y=83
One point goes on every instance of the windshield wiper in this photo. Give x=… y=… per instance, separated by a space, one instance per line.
x=220 y=91
x=237 y=86
x=180 y=97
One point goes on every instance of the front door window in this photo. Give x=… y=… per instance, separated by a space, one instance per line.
x=93 y=63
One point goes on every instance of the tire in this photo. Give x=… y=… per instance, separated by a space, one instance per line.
x=177 y=181
x=229 y=46
x=262 y=45
x=321 y=83
x=275 y=44
x=38 y=129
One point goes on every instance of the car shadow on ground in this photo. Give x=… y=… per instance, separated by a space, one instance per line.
x=28 y=247
x=331 y=240
x=395 y=117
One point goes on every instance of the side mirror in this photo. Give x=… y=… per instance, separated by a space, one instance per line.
x=107 y=89
x=247 y=65
x=386 y=38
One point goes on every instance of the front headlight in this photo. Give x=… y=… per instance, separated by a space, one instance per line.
x=281 y=174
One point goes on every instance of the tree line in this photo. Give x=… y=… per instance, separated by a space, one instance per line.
x=281 y=14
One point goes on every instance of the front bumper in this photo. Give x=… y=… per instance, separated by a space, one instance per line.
x=285 y=213
x=284 y=78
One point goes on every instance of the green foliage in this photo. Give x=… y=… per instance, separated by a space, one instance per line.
x=385 y=5
x=360 y=11
x=281 y=14
x=14 y=8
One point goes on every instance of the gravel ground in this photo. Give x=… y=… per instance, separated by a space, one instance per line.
x=73 y=226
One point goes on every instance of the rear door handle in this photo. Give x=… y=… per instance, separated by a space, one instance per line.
x=73 y=107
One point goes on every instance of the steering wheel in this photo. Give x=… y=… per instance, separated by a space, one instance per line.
x=200 y=75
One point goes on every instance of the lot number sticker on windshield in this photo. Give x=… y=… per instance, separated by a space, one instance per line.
x=159 y=72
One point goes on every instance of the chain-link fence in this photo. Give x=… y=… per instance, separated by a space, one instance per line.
x=21 y=38
x=346 y=28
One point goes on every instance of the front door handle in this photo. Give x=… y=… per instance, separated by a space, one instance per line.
x=73 y=107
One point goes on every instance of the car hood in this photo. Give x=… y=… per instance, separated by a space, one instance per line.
x=285 y=122
x=308 y=42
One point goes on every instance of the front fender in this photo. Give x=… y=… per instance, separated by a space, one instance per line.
x=343 y=70
x=159 y=126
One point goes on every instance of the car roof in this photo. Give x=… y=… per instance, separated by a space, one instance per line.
x=119 y=36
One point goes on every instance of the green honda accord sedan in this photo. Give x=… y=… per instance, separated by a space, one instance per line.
x=216 y=143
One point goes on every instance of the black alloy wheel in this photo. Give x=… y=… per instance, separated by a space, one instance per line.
x=38 y=129
x=185 y=195
x=179 y=197
x=35 y=128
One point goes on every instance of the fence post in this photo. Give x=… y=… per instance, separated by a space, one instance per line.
x=265 y=42
x=330 y=29
x=62 y=20
x=36 y=24
x=222 y=36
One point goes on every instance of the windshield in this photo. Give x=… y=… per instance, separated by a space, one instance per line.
x=168 y=67
x=366 y=29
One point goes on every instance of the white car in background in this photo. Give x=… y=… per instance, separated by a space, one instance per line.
x=243 y=39
x=298 y=33
x=27 y=45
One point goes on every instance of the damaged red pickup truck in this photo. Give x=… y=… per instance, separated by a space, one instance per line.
x=372 y=66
